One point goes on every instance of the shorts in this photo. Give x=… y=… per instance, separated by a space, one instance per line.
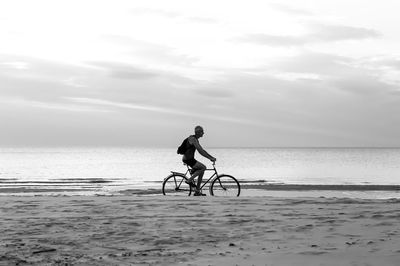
x=190 y=162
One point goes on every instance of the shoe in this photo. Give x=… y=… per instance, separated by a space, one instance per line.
x=198 y=193
x=192 y=184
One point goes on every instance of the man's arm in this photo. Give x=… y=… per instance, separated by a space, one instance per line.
x=200 y=149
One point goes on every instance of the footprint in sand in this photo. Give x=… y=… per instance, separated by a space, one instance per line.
x=312 y=253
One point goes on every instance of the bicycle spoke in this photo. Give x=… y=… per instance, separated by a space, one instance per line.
x=220 y=185
x=175 y=185
x=225 y=185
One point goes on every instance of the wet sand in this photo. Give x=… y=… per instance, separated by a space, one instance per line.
x=101 y=186
x=160 y=230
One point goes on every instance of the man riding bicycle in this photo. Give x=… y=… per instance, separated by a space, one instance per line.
x=192 y=145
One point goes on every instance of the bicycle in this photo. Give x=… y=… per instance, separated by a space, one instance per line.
x=220 y=185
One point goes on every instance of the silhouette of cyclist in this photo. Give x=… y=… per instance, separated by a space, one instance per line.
x=188 y=158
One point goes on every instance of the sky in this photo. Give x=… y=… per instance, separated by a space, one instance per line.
x=287 y=73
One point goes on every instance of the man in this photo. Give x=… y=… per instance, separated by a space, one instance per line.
x=188 y=158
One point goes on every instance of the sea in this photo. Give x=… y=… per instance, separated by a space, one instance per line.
x=107 y=170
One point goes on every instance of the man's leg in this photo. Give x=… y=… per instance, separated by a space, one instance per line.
x=199 y=172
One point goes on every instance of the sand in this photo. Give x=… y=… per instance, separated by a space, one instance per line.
x=160 y=230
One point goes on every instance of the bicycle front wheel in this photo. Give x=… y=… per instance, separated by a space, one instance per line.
x=225 y=185
x=175 y=185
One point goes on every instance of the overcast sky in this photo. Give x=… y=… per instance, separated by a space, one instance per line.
x=252 y=73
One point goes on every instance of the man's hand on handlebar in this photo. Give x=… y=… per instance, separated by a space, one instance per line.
x=213 y=159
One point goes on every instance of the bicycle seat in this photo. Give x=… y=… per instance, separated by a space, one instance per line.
x=177 y=173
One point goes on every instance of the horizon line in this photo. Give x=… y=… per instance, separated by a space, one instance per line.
x=209 y=147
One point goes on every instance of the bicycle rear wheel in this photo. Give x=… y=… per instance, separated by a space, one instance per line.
x=175 y=185
x=225 y=185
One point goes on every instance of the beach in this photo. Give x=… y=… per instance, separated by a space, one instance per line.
x=199 y=133
x=160 y=230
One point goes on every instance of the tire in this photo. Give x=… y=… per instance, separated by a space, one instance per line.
x=174 y=185
x=224 y=186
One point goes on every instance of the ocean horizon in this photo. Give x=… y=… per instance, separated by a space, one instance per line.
x=83 y=170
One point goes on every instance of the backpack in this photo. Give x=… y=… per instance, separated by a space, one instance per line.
x=183 y=148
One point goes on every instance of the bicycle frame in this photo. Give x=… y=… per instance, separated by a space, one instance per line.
x=220 y=184
x=215 y=174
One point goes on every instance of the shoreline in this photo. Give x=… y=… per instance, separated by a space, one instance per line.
x=248 y=188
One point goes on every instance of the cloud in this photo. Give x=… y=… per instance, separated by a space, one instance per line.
x=279 y=99
x=215 y=92
x=385 y=68
x=395 y=63
x=125 y=71
x=20 y=69
x=124 y=105
x=155 y=11
x=272 y=40
x=382 y=62
x=296 y=76
x=319 y=33
x=321 y=64
x=50 y=82
x=172 y=15
x=291 y=10
x=202 y=20
x=150 y=52
x=60 y=106
x=198 y=114
x=341 y=33
x=33 y=87
x=100 y=102
x=340 y=106
x=133 y=73
x=361 y=83
x=14 y=65
x=345 y=74
x=74 y=82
